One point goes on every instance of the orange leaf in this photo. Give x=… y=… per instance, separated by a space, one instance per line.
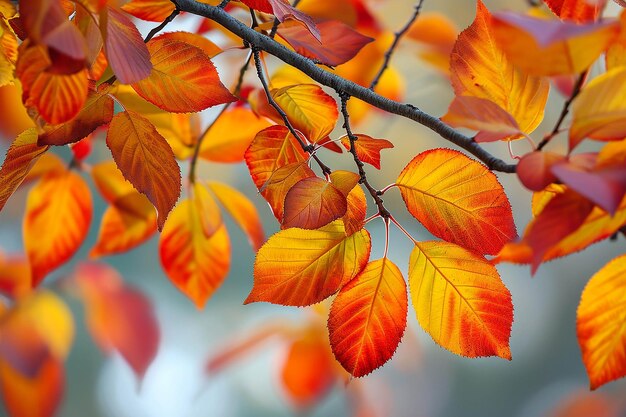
x=57 y=97
x=21 y=157
x=223 y=143
x=271 y=149
x=151 y=10
x=492 y=122
x=340 y=43
x=599 y=111
x=277 y=187
x=368 y=318
x=458 y=200
x=125 y=50
x=367 y=148
x=56 y=222
x=309 y=109
x=600 y=323
x=110 y=182
x=580 y=11
x=208 y=47
x=354 y=219
x=183 y=78
x=196 y=264
x=480 y=69
x=242 y=210
x=15 y=279
x=146 y=160
x=460 y=300
x=551 y=47
x=312 y=203
x=127 y=223
x=39 y=396
x=118 y=316
x=97 y=111
x=534 y=169
x=319 y=263
x=344 y=181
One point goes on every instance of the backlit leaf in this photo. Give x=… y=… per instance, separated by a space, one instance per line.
x=183 y=78
x=309 y=108
x=196 y=264
x=551 y=47
x=479 y=68
x=242 y=210
x=534 y=169
x=207 y=46
x=368 y=148
x=354 y=219
x=302 y=267
x=460 y=300
x=600 y=324
x=146 y=160
x=580 y=11
x=152 y=10
x=125 y=50
x=280 y=182
x=21 y=157
x=222 y=143
x=118 y=316
x=599 y=111
x=312 y=203
x=457 y=199
x=56 y=221
x=368 y=318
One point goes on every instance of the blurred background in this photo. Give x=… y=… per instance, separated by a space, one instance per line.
x=545 y=377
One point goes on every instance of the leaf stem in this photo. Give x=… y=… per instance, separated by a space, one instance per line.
x=407 y=234
x=397 y=36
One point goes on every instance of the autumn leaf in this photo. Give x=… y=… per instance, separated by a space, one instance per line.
x=479 y=68
x=313 y=203
x=320 y=263
x=368 y=318
x=208 y=47
x=354 y=219
x=283 y=10
x=535 y=169
x=309 y=109
x=600 y=324
x=222 y=143
x=125 y=50
x=279 y=184
x=580 y=11
x=242 y=211
x=56 y=221
x=551 y=47
x=15 y=279
x=152 y=10
x=118 y=316
x=20 y=159
x=340 y=43
x=460 y=300
x=598 y=112
x=368 y=148
x=492 y=122
x=146 y=160
x=458 y=200
x=195 y=263
x=183 y=78
x=97 y=111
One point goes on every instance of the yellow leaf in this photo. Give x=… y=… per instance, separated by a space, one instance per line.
x=460 y=300
x=303 y=267
x=600 y=323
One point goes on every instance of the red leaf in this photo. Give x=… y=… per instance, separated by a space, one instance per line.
x=312 y=203
x=534 y=169
x=581 y=11
x=367 y=148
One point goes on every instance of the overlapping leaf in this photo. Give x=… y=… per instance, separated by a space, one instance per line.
x=600 y=323
x=312 y=203
x=303 y=267
x=368 y=318
x=196 y=264
x=183 y=78
x=580 y=11
x=460 y=300
x=458 y=200
x=57 y=219
x=146 y=160
x=368 y=148
x=479 y=68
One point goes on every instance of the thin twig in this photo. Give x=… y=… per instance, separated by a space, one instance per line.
x=162 y=25
x=566 y=106
x=308 y=148
x=339 y=84
x=376 y=195
x=397 y=36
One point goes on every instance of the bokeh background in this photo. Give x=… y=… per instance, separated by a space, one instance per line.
x=422 y=380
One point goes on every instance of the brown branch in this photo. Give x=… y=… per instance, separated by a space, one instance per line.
x=376 y=195
x=307 y=148
x=566 y=106
x=397 y=36
x=342 y=85
x=162 y=25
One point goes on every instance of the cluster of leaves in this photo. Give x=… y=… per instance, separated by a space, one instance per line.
x=84 y=69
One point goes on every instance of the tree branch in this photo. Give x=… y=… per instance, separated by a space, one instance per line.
x=339 y=84
x=162 y=25
x=397 y=36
